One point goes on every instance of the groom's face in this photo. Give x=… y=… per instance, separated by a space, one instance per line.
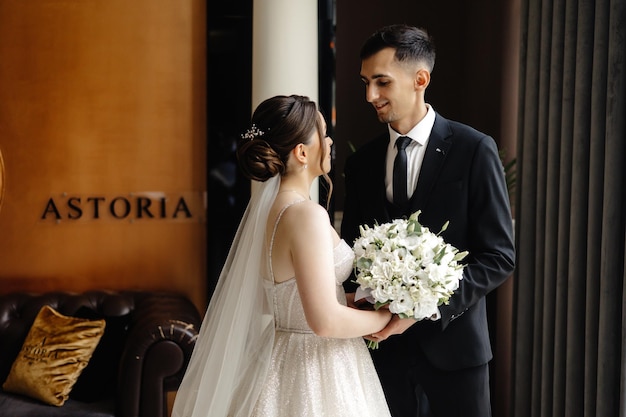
x=391 y=88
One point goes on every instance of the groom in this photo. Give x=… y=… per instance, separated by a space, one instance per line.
x=450 y=172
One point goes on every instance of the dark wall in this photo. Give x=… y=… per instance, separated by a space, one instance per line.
x=229 y=91
x=465 y=84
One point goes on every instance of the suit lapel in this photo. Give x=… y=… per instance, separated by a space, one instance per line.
x=436 y=152
x=377 y=174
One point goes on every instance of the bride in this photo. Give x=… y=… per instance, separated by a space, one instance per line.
x=278 y=338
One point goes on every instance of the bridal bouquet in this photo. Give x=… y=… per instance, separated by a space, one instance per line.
x=405 y=265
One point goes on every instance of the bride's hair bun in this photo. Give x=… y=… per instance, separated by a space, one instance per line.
x=278 y=125
x=258 y=160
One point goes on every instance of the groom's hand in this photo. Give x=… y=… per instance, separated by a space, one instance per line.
x=350 y=300
x=362 y=304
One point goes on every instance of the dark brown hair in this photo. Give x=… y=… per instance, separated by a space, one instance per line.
x=411 y=44
x=278 y=125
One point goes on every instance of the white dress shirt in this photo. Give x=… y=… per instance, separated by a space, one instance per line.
x=414 y=152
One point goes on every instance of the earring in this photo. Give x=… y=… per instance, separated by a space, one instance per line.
x=305 y=166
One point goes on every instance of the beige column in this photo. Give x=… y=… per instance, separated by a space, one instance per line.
x=284 y=51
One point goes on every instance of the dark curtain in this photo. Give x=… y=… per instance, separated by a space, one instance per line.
x=568 y=335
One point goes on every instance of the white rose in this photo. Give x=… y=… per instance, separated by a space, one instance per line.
x=403 y=304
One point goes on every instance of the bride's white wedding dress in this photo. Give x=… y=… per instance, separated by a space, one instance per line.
x=312 y=376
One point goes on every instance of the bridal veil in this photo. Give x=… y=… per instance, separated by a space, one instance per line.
x=232 y=353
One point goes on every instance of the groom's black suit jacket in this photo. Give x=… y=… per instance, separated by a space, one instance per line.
x=461 y=181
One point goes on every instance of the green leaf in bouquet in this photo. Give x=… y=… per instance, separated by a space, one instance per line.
x=460 y=255
x=378 y=304
x=414 y=227
x=439 y=255
x=444 y=227
x=413 y=217
x=364 y=263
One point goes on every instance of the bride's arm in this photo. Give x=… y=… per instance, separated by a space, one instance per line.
x=311 y=243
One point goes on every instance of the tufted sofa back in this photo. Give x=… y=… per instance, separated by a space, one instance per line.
x=143 y=354
x=18 y=311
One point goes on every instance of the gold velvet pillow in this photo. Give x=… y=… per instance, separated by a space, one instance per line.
x=55 y=352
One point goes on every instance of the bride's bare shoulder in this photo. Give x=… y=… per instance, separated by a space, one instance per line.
x=306 y=214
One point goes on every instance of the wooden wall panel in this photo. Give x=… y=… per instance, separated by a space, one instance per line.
x=102 y=99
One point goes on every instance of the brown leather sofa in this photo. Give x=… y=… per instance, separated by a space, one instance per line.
x=147 y=343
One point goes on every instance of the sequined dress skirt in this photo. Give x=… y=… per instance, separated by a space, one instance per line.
x=312 y=376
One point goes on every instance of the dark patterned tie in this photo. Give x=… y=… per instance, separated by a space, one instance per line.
x=400 y=172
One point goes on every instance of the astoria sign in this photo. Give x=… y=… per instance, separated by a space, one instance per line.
x=134 y=206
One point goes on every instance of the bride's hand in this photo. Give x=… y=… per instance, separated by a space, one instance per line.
x=395 y=326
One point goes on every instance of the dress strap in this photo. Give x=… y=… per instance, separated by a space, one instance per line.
x=280 y=214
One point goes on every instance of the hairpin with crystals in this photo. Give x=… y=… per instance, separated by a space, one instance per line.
x=252 y=133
